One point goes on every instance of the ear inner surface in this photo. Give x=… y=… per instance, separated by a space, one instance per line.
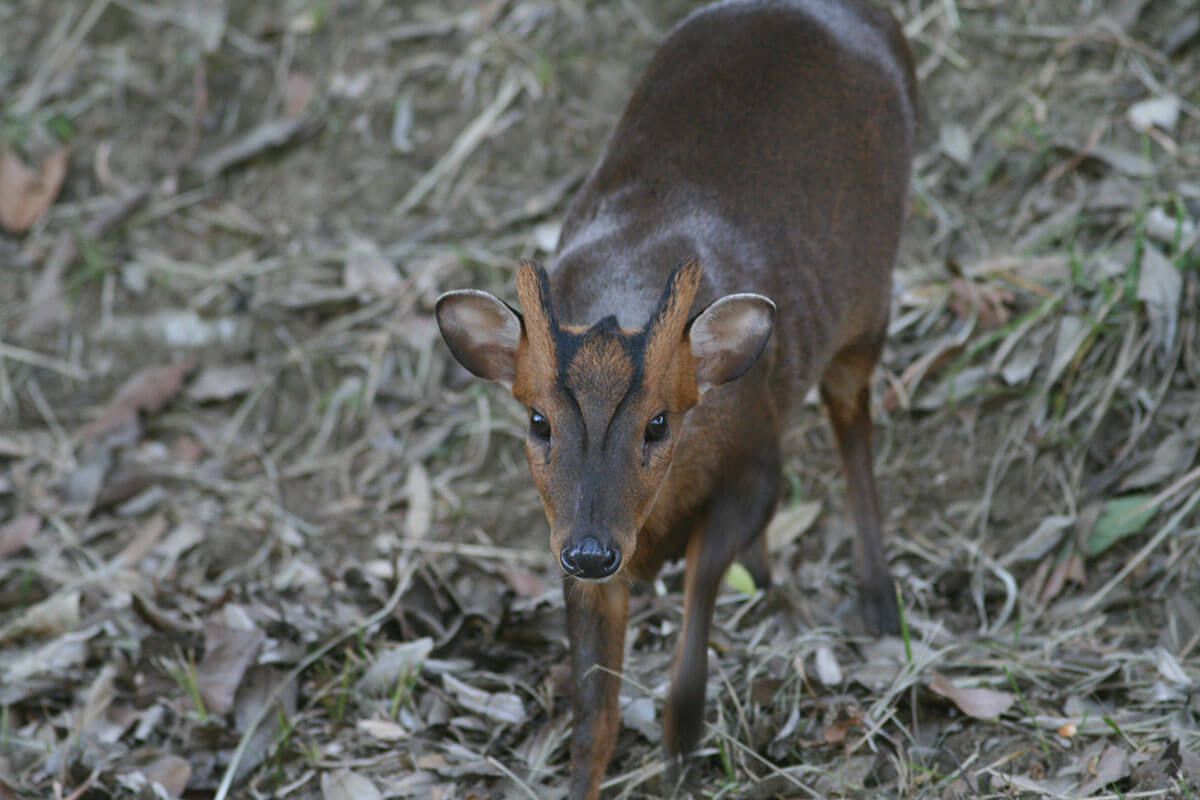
x=728 y=337
x=482 y=332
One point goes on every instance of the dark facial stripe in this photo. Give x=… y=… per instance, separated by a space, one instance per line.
x=575 y=405
x=635 y=384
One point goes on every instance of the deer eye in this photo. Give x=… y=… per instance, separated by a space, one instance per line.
x=539 y=426
x=657 y=429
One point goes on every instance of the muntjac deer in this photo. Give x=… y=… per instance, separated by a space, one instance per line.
x=765 y=153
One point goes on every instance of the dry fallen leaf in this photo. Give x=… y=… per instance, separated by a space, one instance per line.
x=17 y=533
x=1034 y=546
x=55 y=615
x=1174 y=766
x=989 y=300
x=848 y=779
x=829 y=672
x=368 y=271
x=1170 y=668
x=402 y=121
x=790 y=524
x=1160 y=286
x=24 y=194
x=1126 y=162
x=186 y=449
x=147 y=536
x=99 y=697
x=956 y=143
x=55 y=657
x=420 y=502
x=1067 y=568
x=297 y=94
x=498 y=706
x=1164 y=226
x=1172 y=456
x=836 y=732
x=385 y=730
x=884 y=659
x=641 y=715
x=148 y=390
x=347 y=785
x=171 y=773
x=46 y=306
x=227 y=654
x=395 y=665
x=218 y=383
x=522 y=581
x=1111 y=766
x=1072 y=334
x=977 y=703
x=1162 y=112
x=265 y=693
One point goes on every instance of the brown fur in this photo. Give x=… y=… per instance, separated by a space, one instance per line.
x=667 y=362
x=596 y=619
x=769 y=141
x=536 y=362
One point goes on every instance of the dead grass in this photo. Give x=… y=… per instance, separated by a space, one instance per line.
x=260 y=538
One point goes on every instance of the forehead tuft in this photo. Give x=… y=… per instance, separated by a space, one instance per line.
x=601 y=365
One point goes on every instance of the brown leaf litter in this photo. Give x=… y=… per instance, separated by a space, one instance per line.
x=26 y=193
x=317 y=567
x=148 y=390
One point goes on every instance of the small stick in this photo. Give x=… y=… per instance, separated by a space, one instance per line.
x=36 y=359
x=56 y=59
x=270 y=134
x=463 y=146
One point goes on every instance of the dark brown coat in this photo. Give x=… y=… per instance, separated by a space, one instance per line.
x=765 y=153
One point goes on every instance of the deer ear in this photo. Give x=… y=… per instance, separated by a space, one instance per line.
x=728 y=337
x=482 y=332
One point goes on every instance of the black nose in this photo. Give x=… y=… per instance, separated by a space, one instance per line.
x=590 y=559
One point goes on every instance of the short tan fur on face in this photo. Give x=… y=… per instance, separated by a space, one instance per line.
x=600 y=375
x=537 y=359
x=600 y=386
x=668 y=362
x=605 y=362
x=593 y=458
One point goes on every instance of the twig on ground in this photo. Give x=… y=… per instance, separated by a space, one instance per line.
x=463 y=146
x=266 y=136
x=60 y=54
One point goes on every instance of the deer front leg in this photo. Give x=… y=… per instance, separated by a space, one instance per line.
x=596 y=617
x=737 y=517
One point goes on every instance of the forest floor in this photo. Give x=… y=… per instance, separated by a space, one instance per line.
x=260 y=536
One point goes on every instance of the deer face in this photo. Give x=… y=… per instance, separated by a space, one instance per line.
x=605 y=403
